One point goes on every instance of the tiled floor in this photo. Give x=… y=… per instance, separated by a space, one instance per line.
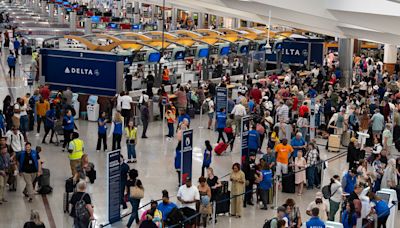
x=155 y=165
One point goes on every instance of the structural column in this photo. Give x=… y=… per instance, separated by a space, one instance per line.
x=209 y=20
x=174 y=15
x=44 y=5
x=60 y=15
x=88 y=26
x=154 y=13
x=346 y=61
x=389 y=58
x=136 y=13
x=51 y=10
x=72 y=21
x=218 y=22
x=200 y=20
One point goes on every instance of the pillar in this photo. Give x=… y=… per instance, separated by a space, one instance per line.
x=200 y=20
x=346 y=61
x=154 y=14
x=60 y=15
x=357 y=47
x=248 y=24
x=51 y=10
x=389 y=58
x=44 y=6
x=218 y=20
x=136 y=13
x=233 y=23
x=88 y=26
x=174 y=18
x=209 y=23
x=72 y=21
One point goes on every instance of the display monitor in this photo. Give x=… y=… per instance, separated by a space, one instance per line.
x=95 y=19
x=384 y=196
x=179 y=55
x=154 y=57
x=244 y=49
x=224 y=51
x=59 y=1
x=112 y=25
x=203 y=53
x=136 y=26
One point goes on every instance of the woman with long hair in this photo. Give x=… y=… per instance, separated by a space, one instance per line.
x=131 y=140
x=349 y=216
x=34 y=221
x=238 y=180
x=206 y=157
x=133 y=186
x=117 y=130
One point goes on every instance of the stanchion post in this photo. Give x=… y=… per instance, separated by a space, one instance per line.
x=214 y=213
x=201 y=117
x=163 y=122
x=276 y=192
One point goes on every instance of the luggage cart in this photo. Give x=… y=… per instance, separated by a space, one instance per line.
x=59 y=131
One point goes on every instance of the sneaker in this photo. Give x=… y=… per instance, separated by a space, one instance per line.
x=144 y=137
x=98 y=151
x=134 y=161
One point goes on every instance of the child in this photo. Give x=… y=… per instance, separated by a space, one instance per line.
x=206 y=157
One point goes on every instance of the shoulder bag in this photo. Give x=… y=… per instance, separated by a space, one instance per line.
x=136 y=192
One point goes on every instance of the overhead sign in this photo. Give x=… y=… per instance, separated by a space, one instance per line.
x=85 y=72
x=113 y=186
x=186 y=155
x=297 y=52
x=221 y=100
x=244 y=132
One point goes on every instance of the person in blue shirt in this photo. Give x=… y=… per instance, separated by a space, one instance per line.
x=315 y=221
x=102 y=132
x=349 y=216
x=298 y=143
x=381 y=208
x=68 y=124
x=2 y=124
x=183 y=115
x=11 y=61
x=124 y=170
x=49 y=123
x=177 y=161
x=221 y=124
x=254 y=140
x=165 y=206
x=207 y=155
x=265 y=184
x=17 y=45
x=251 y=105
x=349 y=181
x=29 y=168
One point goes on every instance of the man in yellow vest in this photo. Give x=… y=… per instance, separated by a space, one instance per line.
x=75 y=149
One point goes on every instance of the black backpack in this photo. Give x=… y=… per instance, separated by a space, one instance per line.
x=174 y=217
x=44 y=190
x=267 y=223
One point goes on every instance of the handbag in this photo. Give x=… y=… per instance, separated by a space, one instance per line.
x=228 y=130
x=136 y=192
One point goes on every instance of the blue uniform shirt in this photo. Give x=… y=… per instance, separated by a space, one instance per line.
x=102 y=129
x=382 y=208
x=182 y=117
x=315 y=222
x=117 y=128
x=221 y=119
x=296 y=142
x=254 y=137
x=166 y=209
x=50 y=116
x=68 y=122
x=266 y=182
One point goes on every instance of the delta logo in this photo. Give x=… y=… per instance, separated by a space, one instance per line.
x=81 y=71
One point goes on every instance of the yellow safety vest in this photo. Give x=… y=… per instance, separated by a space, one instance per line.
x=131 y=134
x=77 y=151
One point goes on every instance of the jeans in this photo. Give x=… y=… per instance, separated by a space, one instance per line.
x=116 y=141
x=311 y=176
x=101 y=137
x=131 y=150
x=248 y=197
x=317 y=119
x=170 y=130
x=264 y=196
x=333 y=208
x=135 y=207
x=23 y=121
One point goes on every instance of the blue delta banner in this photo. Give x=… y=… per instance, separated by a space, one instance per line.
x=186 y=155
x=113 y=186
x=244 y=133
x=221 y=100
x=296 y=52
x=85 y=72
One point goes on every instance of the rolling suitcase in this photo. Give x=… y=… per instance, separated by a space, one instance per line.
x=223 y=203
x=44 y=179
x=334 y=143
x=345 y=138
x=66 y=202
x=288 y=181
x=191 y=111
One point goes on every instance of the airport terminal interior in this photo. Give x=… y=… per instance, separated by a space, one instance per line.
x=207 y=113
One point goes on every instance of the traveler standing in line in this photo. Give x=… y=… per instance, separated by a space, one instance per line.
x=11 y=61
x=42 y=106
x=49 y=122
x=126 y=107
x=128 y=82
x=23 y=117
x=76 y=150
x=124 y=168
x=29 y=168
x=67 y=94
x=165 y=206
x=300 y=163
x=116 y=131
x=5 y=165
x=238 y=111
x=102 y=132
x=149 y=84
x=238 y=180
x=229 y=130
x=145 y=117
x=165 y=76
x=170 y=115
x=34 y=221
x=133 y=187
x=349 y=216
x=8 y=111
x=131 y=140
x=81 y=206
x=207 y=157
x=336 y=197
x=15 y=140
x=188 y=195
x=68 y=127
x=315 y=221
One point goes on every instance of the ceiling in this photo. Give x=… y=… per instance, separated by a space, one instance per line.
x=374 y=20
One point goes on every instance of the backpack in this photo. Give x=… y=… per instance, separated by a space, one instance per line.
x=206 y=106
x=326 y=191
x=81 y=212
x=267 y=223
x=174 y=217
x=44 y=190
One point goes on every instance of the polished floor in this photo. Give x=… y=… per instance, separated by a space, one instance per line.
x=155 y=166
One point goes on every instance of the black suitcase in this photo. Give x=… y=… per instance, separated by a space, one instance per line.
x=69 y=185
x=191 y=112
x=288 y=181
x=66 y=202
x=223 y=203
x=44 y=179
x=224 y=187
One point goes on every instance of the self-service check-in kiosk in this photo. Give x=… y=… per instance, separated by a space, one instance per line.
x=390 y=197
x=76 y=104
x=93 y=108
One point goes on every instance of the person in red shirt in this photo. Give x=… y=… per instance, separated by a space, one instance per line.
x=304 y=109
x=295 y=103
x=45 y=92
x=256 y=93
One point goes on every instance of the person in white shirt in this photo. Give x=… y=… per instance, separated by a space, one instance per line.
x=188 y=195
x=336 y=197
x=321 y=205
x=209 y=105
x=126 y=106
x=238 y=111
x=144 y=98
x=15 y=140
x=118 y=97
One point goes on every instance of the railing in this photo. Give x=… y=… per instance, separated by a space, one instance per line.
x=340 y=155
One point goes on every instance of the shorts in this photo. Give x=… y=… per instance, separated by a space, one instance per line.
x=210 y=115
x=189 y=213
x=281 y=169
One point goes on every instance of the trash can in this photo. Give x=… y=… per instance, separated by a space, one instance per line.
x=93 y=108
x=76 y=104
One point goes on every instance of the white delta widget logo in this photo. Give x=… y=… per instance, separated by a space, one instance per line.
x=81 y=71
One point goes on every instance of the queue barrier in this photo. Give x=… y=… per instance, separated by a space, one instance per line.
x=337 y=156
